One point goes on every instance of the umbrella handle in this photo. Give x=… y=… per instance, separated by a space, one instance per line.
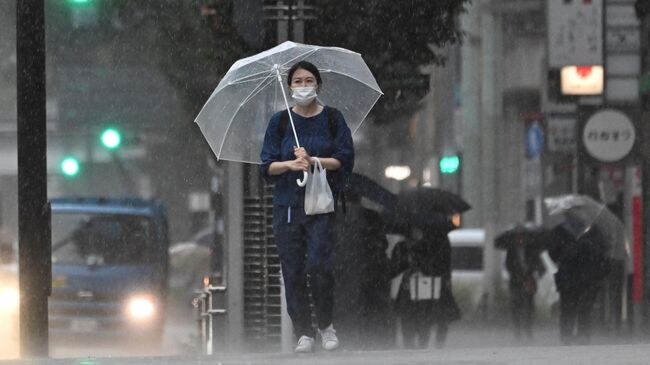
x=286 y=102
x=304 y=179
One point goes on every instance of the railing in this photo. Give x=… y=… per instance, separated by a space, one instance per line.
x=210 y=312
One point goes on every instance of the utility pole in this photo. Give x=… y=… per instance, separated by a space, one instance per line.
x=290 y=16
x=34 y=256
x=641 y=284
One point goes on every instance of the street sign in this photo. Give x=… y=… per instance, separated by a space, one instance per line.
x=582 y=80
x=609 y=135
x=623 y=60
x=561 y=133
x=534 y=140
x=627 y=39
x=621 y=15
x=622 y=89
x=575 y=31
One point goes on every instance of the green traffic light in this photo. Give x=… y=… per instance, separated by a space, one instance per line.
x=70 y=166
x=79 y=1
x=449 y=164
x=111 y=138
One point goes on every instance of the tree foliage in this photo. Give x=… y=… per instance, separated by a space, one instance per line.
x=395 y=38
x=192 y=49
x=194 y=42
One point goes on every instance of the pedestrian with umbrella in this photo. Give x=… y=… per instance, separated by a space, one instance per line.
x=422 y=266
x=422 y=263
x=309 y=139
x=586 y=238
x=299 y=233
x=523 y=245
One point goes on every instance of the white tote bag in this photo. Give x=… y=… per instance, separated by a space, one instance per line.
x=318 y=195
x=423 y=287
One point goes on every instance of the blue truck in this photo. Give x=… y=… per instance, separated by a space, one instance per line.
x=109 y=269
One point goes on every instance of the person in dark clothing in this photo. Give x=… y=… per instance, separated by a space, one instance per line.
x=305 y=243
x=363 y=307
x=525 y=266
x=424 y=297
x=582 y=267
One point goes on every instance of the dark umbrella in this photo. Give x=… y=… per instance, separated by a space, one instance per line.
x=362 y=186
x=537 y=238
x=424 y=206
x=428 y=200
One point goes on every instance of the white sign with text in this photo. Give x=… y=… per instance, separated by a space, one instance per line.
x=609 y=135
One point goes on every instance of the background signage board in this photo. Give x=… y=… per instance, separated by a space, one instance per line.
x=575 y=32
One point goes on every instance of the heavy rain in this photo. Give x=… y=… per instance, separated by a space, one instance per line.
x=324 y=181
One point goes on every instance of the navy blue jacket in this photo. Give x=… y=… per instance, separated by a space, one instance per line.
x=315 y=136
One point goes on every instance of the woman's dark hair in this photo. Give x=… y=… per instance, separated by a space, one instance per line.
x=305 y=66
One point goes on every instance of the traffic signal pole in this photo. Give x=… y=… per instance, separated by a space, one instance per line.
x=33 y=210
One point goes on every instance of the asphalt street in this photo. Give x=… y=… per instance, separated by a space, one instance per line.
x=540 y=355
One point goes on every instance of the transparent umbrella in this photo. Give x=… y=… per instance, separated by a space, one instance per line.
x=234 y=118
x=580 y=214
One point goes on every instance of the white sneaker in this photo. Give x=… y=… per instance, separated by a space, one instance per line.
x=305 y=344
x=328 y=338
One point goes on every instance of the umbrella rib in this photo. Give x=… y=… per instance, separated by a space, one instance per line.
x=302 y=55
x=365 y=115
x=249 y=79
x=256 y=91
x=258 y=88
x=353 y=78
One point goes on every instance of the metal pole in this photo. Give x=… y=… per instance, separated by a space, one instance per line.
x=290 y=34
x=33 y=209
x=286 y=329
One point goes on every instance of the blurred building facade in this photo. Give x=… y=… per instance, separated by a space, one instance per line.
x=498 y=105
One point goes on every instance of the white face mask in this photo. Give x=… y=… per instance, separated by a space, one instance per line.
x=303 y=96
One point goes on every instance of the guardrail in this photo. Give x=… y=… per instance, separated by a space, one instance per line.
x=210 y=314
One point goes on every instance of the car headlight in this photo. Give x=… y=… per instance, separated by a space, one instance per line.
x=9 y=299
x=141 y=308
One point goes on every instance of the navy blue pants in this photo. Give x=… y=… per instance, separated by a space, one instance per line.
x=306 y=248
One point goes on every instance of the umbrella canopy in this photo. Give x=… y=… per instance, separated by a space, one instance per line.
x=189 y=256
x=235 y=117
x=424 y=205
x=580 y=215
x=534 y=237
x=362 y=186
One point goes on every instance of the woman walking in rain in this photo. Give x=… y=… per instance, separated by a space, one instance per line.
x=305 y=243
x=424 y=297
